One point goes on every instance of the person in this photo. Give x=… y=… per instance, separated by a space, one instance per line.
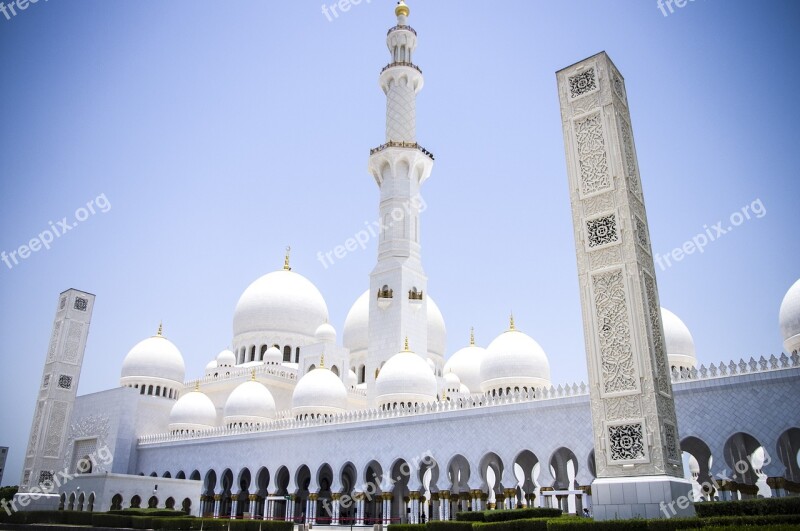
x=586 y=512
x=421 y=517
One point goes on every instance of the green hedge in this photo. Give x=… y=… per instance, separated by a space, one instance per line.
x=111 y=520
x=764 y=506
x=75 y=517
x=528 y=524
x=439 y=525
x=521 y=514
x=471 y=516
x=160 y=513
x=583 y=524
x=778 y=527
x=406 y=527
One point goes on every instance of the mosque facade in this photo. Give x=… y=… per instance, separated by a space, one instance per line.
x=384 y=427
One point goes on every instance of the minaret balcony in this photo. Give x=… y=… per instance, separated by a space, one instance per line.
x=400 y=27
x=401 y=63
x=392 y=143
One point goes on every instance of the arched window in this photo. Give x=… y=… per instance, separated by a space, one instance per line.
x=287 y=353
x=253 y=353
x=152 y=503
x=116 y=502
x=362 y=374
x=136 y=502
x=141 y=391
x=170 y=503
x=297 y=355
x=263 y=351
x=150 y=390
x=158 y=390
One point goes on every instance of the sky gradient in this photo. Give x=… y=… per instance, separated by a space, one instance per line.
x=219 y=133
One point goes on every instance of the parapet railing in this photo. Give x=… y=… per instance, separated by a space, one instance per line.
x=733 y=368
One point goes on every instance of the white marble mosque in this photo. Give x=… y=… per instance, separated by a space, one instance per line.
x=384 y=426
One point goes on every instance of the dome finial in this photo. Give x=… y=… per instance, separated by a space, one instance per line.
x=402 y=9
x=511 y=324
x=322 y=361
x=160 y=332
x=253 y=375
x=472 y=336
x=406 y=345
x=286 y=259
x=197 y=385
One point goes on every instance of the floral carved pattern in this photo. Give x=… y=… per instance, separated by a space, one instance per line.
x=592 y=157
x=659 y=350
x=623 y=407
x=671 y=442
x=626 y=442
x=614 y=334
x=630 y=160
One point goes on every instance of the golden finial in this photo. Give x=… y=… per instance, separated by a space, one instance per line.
x=197 y=385
x=472 y=336
x=511 y=325
x=286 y=259
x=160 y=332
x=444 y=394
x=402 y=9
x=322 y=361
x=253 y=375
x=406 y=345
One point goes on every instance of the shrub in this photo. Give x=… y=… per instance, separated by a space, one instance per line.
x=586 y=524
x=74 y=517
x=773 y=519
x=764 y=506
x=168 y=524
x=142 y=522
x=471 y=516
x=161 y=513
x=406 y=527
x=439 y=525
x=110 y=520
x=777 y=527
x=521 y=514
x=670 y=524
x=528 y=524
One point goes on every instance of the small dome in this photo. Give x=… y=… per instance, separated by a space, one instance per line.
x=250 y=403
x=273 y=356
x=789 y=318
x=211 y=365
x=281 y=301
x=466 y=363
x=153 y=358
x=319 y=393
x=325 y=333
x=679 y=342
x=514 y=361
x=355 y=334
x=452 y=383
x=352 y=379
x=193 y=411
x=437 y=332
x=406 y=379
x=226 y=358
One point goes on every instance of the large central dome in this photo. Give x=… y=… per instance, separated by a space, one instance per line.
x=280 y=302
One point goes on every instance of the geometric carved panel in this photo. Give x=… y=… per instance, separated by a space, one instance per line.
x=80 y=304
x=641 y=233
x=65 y=382
x=626 y=442
x=582 y=83
x=602 y=231
x=592 y=157
x=671 y=442
x=614 y=333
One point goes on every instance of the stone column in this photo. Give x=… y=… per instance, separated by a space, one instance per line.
x=511 y=498
x=290 y=509
x=217 y=501
x=635 y=431
x=387 y=508
x=311 y=508
x=359 y=497
x=435 y=506
x=414 y=496
x=234 y=507
x=335 y=497
x=252 y=506
x=444 y=508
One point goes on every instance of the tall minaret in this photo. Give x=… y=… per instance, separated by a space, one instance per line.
x=398 y=305
x=57 y=389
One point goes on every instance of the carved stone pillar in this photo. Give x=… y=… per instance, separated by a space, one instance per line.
x=633 y=412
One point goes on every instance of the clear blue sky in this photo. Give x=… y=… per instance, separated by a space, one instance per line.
x=222 y=132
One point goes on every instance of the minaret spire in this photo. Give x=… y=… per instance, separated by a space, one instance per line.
x=399 y=166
